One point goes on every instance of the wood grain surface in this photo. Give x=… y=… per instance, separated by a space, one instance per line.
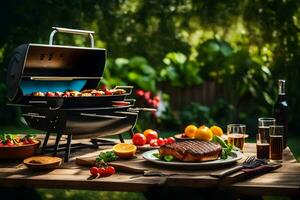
x=145 y=175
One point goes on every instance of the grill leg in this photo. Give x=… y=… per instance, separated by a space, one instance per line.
x=68 y=148
x=45 y=142
x=121 y=138
x=131 y=132
x=56 y=145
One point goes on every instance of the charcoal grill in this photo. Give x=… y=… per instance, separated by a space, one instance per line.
x=52 y=68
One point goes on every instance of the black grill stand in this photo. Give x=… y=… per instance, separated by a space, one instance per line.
x=68 y=147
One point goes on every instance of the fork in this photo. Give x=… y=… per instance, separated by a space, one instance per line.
x=250 y=162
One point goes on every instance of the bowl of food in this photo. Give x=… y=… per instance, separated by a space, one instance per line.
x=17 y=147
x=42 y=162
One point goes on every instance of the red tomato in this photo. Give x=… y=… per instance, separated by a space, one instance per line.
x=139 y=139
x=150 y=134
x=59 y=94
x=101 y=171
x=153 y=143
x=107 y=92
x=166 y=140
x=25 y=142
x=110 y=170
x=160 y=141
x=31 y=141
x=147 y=95
x=98 y=94
x=156 y=98
x=140 y=93
x=94 y=171
x=66 y=94
x=155 y=103
x=50 y=94
x=1 y=144
x=171 y=140
x=103 y=87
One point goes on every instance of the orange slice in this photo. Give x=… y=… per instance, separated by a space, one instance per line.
x=124 y=150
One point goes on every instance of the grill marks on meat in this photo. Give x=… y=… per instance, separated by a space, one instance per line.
x=192 y=151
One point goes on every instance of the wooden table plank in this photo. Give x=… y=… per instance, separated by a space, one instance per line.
x=285 y=180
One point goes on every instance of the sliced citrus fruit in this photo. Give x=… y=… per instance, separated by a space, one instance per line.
x=203 y=133
x=216 y=130
x=190 y=131
x=124 y=150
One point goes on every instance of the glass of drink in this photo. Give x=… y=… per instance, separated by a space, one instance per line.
x=262 y=145
x=236 y=135
x=276 y=142
x=263 y=125
x=266 y=121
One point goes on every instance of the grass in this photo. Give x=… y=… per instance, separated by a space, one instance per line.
x=49 y=194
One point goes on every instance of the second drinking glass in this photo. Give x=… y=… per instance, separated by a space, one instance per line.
x=236 y=135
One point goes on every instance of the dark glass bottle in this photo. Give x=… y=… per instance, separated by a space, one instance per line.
x=281 y=110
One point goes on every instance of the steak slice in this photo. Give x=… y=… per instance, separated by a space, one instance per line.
x=192 y=150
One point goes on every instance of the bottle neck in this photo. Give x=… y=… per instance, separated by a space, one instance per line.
x=281 y=87
x=281 y=97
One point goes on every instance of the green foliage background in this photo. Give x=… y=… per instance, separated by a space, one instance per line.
x=244 y=45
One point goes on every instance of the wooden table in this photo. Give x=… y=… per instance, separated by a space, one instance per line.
x=283 y=181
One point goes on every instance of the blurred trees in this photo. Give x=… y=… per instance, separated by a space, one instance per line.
x=266 y=31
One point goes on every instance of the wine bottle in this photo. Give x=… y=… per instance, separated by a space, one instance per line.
x=281 y=110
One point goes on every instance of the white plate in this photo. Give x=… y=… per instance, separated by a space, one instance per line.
x=235 y=156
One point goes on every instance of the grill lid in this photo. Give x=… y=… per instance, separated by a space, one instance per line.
x=38 y=67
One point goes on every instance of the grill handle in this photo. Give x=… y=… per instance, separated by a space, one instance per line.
x=125 y=87
x=142 y=109
x=102 y=116
x=72 y=31
x=34 y=115
x=43 y=102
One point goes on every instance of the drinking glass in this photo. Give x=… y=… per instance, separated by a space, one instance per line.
x=236 y=135
x=276 y=142
x=262 y=145
x=263 y=125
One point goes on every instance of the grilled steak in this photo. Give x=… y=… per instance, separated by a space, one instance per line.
x=192 y=151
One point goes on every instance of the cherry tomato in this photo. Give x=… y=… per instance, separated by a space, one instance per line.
x=156 y=98
x=31 y=141
x=147 y=95
x=94 y=171
x=139 y=139
x=160 y=141
x=1 y=144
x=101 y=171
x=171 y=140
x=150 y=134
x=50 y=94
x=166 y=140
x=153 y=143
x=140 y=93
x=110 y=170
x=107 y=92
x=25 y=142
x=58 y=94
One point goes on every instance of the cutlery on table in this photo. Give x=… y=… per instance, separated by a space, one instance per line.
x=250 y=163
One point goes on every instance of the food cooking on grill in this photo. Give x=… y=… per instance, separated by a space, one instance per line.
x=83 y=93
x=192 y=151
